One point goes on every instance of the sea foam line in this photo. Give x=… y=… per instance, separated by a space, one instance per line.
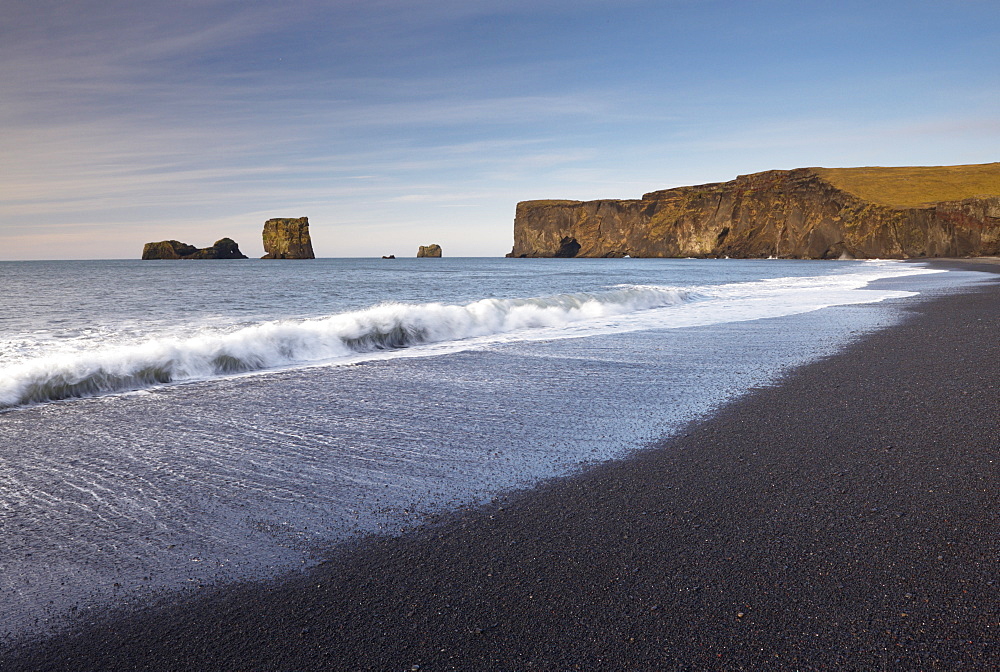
x=285 y=343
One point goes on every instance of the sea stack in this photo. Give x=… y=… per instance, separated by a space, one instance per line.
x=224 y=248
x=287 y=239
x=429 y=251
x=806 y=213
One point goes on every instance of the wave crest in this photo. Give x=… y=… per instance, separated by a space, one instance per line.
x=288 y=343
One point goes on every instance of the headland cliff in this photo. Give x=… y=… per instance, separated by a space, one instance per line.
x=806 y=213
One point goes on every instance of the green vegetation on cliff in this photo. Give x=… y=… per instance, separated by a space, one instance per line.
x=912 y=187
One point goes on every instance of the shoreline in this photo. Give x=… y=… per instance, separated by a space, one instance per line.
x=841 y=519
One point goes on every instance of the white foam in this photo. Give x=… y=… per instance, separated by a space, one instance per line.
x=95 y=367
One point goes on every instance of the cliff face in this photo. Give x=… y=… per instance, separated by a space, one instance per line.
x=224 y=248
x=810 y=213
x=429 y=251
x=287 y=239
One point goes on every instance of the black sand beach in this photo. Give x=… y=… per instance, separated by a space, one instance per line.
x=847 y=519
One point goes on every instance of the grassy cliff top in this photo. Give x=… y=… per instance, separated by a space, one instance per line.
x=544 y=203
x=918 y=185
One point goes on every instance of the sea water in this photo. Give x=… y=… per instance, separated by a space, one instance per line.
x=166 y=425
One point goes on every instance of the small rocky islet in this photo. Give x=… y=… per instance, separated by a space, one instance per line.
x=224 y=248
x=287 y=238
x=429 y=251
x=284 y=238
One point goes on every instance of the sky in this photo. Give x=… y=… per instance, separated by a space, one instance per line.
x=393 y=124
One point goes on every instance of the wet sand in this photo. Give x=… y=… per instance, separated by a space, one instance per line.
x=848 y=518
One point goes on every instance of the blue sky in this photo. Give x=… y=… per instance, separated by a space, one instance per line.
x=393 y=124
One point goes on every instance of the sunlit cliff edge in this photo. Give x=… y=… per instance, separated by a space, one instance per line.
x=808 y=213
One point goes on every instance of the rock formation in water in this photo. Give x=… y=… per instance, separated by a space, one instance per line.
x=429 y=251
x=810 y=213
x=287 y=239
x=225 y=248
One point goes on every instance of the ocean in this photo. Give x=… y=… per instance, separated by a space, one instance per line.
x=169 y=425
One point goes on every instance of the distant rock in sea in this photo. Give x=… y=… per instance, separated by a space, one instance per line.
x=224 y=248
x=429 y=251
x=287 y=239
x=389 y=256
x=806 y=213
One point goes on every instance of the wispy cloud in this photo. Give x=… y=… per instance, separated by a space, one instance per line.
x=386 y=113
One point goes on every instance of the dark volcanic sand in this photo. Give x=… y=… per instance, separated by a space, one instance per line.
x=848 y=519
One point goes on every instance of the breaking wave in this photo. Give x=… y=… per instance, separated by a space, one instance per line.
x=270 y=345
